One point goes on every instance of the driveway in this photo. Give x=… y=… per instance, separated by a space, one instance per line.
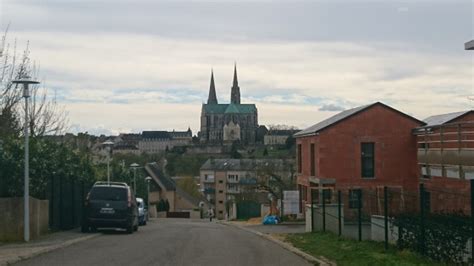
x=173 y=242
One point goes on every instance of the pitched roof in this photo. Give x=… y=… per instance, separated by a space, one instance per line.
x=444 y=118
x=157 y=174
x=232 y=109
x=156 y=135
x=236 y=108
x=344 y=115
x=246 y=164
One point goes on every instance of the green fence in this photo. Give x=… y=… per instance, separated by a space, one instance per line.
x=248 y=209
x=437 y=222
x=66 y=202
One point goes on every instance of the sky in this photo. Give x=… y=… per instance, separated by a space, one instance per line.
x=128 y=66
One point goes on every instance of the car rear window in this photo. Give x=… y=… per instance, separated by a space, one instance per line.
x=108 y=193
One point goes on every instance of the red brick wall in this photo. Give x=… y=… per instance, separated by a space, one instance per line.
x=338 y=152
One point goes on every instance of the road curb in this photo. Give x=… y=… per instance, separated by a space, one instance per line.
x=47 y=249
x=284 y=245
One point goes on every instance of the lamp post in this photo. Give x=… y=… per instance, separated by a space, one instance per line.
x=26 y=81
x=134 y=166
x=148 y=179
x=108 y=145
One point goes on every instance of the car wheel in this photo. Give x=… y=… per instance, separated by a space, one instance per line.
x=129 y=229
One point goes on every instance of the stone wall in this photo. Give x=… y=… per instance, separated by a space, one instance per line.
x=12 y=222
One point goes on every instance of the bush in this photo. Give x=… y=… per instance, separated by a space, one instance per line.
x=446 y=235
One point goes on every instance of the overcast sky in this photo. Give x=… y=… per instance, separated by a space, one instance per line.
x=128 y=66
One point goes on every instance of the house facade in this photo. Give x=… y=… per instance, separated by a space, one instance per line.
x=164 y=188
x=278 y=137
x=446 y=160
x=366 y=147
x=224 y=181
x=160 y=141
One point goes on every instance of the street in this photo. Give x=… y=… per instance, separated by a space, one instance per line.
x=173 y=242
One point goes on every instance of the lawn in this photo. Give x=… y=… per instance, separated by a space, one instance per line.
x=351 y=252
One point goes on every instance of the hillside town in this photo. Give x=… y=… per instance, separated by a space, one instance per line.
x=367 y=183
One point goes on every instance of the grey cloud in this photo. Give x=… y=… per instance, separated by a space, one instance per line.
x=331 y=108
x=359 y=21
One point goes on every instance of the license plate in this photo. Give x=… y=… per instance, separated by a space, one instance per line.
x=107 y=210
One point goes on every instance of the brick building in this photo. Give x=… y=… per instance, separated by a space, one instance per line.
x=446 y=160
x=369 y=146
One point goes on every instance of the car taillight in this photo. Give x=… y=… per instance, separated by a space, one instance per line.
x=129 y=199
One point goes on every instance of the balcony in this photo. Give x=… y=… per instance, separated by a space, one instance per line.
x=248 y=181
x=447 y=150
x=209 y=190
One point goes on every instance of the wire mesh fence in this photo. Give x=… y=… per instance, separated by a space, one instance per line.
x=434 y=221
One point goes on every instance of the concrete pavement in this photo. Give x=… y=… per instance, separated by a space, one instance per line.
x=173 y=242
x=14 y=252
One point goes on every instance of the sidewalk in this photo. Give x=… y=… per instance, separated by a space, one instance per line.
x=14 y=252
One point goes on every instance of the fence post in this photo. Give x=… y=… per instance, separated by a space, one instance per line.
x=359 y=212
x=312 y=210
x=324 y=210
x=422 y=220
x=339 y=218
x=472 y=220
x=385 y=213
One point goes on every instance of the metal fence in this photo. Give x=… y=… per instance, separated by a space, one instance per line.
x=434 y=221
x=66 y=202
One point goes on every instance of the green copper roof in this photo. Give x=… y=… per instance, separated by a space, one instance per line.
x=230 y=108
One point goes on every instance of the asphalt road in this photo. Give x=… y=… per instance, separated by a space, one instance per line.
x=173 y=242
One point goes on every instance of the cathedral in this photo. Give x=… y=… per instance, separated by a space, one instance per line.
x=226 y=123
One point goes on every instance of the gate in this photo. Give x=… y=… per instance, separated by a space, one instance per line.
x=248 y=209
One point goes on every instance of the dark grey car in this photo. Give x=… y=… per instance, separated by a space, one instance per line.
x=110 y=205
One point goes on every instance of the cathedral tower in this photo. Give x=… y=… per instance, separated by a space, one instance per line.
x=235 y=93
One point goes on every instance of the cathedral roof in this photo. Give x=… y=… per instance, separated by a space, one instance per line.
x=230 y=108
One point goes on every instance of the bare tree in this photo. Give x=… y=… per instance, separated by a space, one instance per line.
x=46 y=115
x=281 y=127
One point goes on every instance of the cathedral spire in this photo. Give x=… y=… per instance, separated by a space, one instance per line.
x=235 y=93
x=212 y=99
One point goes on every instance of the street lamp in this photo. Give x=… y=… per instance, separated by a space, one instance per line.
x=134 y=166
x=26 y=81
x=108 y=145
x=148 y=179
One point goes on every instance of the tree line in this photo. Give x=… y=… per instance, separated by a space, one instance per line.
x=47 y=158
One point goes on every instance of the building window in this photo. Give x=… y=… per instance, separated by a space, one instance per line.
x=427 y=201
x=205 y=177
x=221 y=181
x=312 y=158
x=233 y=177
x=220 y=191
x=367 y=159
x=354 y=199
x=220 y=212
x=221 y=202
x=300 y=162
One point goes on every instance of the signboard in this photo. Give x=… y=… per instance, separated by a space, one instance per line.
x=291 y=202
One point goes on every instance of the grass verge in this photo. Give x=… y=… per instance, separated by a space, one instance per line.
x=345 y=251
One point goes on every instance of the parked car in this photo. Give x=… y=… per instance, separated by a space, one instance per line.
x=142 y=212
x=110 y=205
